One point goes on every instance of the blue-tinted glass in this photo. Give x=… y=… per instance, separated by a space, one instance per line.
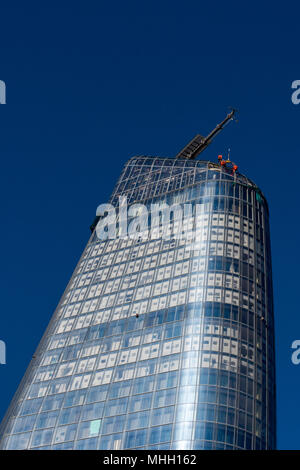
x=156 y=345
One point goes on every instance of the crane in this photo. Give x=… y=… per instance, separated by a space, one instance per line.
x=199 y=143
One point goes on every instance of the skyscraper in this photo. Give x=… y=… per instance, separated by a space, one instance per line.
x=161 y=343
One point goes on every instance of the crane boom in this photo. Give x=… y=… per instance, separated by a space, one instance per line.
x=199 y=143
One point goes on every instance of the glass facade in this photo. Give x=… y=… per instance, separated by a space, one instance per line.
x=156 y=344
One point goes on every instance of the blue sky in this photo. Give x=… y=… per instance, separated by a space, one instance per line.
x=88 y=86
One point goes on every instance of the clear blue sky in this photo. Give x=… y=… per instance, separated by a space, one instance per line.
x=90 y=84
